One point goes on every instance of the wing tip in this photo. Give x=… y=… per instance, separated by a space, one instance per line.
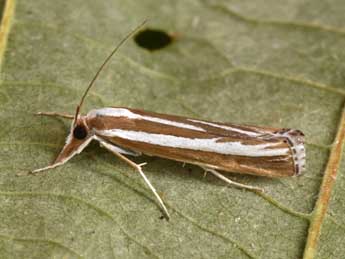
x=296 y=141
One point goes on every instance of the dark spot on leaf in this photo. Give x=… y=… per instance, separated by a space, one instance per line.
x=153 y=39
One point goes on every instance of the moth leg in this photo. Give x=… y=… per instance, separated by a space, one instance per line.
x=138 y=168
x=227 y=180
x=118 y=149
x=71 y=148
x=56 y=114
x=36 y=171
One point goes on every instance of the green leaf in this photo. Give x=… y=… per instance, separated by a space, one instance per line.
x=264 y=62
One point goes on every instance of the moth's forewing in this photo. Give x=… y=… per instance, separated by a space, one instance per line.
x=242 y=149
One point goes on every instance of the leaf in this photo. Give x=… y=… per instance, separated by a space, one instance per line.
x=263 y=63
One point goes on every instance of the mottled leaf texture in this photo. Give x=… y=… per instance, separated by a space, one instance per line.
x=263 y=62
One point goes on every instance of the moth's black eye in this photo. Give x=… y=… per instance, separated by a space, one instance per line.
x=80 y=132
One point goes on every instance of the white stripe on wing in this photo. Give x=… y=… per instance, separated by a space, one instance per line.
x=245 y=132
x=122 y=112
x=209 y=145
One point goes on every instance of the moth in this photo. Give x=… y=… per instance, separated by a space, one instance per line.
x=261 y=151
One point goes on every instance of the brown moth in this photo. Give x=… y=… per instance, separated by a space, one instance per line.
x=262 y=151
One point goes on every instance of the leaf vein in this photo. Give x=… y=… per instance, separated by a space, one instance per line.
x=302 y=81
x=100 y=211
x=49 y=241
x=248 y=19
x=321 y=206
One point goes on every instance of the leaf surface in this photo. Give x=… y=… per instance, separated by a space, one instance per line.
x=264 y=62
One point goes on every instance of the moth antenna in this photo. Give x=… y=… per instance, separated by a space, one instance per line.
x=129 y=35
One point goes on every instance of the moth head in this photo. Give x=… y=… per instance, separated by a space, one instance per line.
x=78 y=138
x=80 y=131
